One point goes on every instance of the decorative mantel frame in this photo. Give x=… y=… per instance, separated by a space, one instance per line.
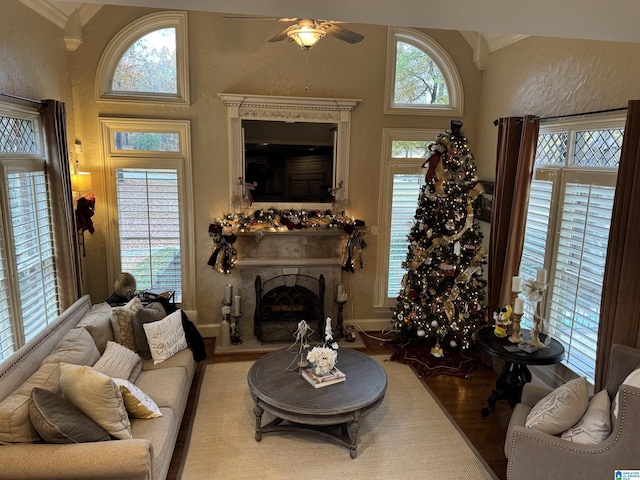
x=289 y=109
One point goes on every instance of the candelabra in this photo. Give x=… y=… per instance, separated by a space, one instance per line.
x=340 y=321
x=235 y=329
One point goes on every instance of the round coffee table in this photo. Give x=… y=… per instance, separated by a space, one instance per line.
x=289 y=397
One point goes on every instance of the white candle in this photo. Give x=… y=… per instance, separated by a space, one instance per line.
x=339 y=291
x=541 y=276
x=518 y=306
x=516 y=284
x=236 y=305
x=228 y=292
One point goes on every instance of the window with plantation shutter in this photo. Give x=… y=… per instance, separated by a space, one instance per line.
x=404 y=152
x=150 y=232
x=567 y=230
x=28 y=282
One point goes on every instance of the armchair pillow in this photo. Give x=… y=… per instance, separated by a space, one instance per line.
x=166 y=337
x=595 y=425
x=561 y=409
x=632 y=379
x=58 y=421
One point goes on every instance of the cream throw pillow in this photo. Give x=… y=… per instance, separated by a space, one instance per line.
x=122 y=323
x=166 y=337
x=117 y=361
x=595 y=425
x=561 y=409
x=138 y=403
x=97 y=396
x=632 y=379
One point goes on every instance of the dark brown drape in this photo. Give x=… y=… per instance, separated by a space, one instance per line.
x=517 y=141
x=620 y=307
x=54 y=121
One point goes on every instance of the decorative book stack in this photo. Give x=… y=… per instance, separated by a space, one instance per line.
x=334 y=376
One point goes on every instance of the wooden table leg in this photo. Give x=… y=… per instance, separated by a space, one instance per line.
x=258 y=411
x=353 y=427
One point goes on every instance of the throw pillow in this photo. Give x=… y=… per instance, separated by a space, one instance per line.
x=595 y=425
x=58 y=421
x=138 y=403
x=97 y=396
x=151 y=313
x=98 y=323
x=122 y=323
x=77 y=347
x=561 y=409
x=117 y=361
x=165 y=337
x=632 y=379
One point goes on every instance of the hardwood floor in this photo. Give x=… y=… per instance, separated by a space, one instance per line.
x=463 y=398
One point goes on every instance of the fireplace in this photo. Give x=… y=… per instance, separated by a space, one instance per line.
x=283 y=301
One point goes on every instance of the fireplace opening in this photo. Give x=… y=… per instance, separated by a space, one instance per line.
x=283 y=301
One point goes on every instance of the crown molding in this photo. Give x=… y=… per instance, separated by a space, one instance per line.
x=45 y=9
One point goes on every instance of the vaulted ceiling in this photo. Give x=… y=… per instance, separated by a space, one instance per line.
x=487 y=25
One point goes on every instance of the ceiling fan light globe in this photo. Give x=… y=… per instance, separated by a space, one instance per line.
x=306 y=37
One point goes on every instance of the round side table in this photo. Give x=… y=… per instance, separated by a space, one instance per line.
x=515 y=373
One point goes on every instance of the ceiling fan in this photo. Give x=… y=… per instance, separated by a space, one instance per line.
x=307 y=32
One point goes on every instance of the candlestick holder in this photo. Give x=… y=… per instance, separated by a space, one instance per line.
x=235 y=330
x=515 y=328
x=514 y=295
x=537 y=320
x=340 y=321
x=225 y=327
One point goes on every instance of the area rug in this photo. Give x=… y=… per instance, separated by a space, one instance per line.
x=408 y=436
x=418 y=355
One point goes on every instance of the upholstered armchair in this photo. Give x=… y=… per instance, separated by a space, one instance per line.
x=534 y=455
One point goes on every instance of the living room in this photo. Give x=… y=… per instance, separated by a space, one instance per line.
x=537 y=70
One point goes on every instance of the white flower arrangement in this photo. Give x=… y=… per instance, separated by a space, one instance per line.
x=323 y=359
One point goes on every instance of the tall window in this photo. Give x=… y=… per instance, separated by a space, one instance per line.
x=421 y=76
x=567 y=229
x=147 y=61
x=404 y=152
x=152 y=235
x=28 y=284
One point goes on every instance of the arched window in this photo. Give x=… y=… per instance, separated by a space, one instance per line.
x=421 y=76
x=146 y=61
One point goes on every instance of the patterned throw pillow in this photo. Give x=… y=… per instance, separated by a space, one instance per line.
x=561 y=409
x=137 y=403
x=122 y=323
x=117 y=361
x=166 y=337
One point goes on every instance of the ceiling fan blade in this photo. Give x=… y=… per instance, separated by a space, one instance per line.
x=341 y=33
x=283 y=34
x=257 y=17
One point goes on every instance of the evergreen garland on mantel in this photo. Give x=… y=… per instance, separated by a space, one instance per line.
x=224 y=232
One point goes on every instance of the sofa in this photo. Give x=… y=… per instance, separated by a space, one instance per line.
x=533 y=454
x=147 y=455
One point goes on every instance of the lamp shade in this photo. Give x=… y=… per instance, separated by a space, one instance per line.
x=305 y=36
x=81 y=182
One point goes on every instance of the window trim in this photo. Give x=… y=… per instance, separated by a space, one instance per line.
x=444 y=62
x=180 y=161
x=124 y=39
x=389 y=167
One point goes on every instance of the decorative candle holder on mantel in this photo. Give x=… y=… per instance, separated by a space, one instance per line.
x=235 y=330
x=341 y=300
x=225 y=328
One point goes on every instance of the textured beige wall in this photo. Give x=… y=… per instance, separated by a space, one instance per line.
x=34 y=61
x=547 y=77
x=234 y=57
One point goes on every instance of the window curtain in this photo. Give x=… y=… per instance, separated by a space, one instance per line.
x=517 y=142
x=620 y=307
x=54 y=121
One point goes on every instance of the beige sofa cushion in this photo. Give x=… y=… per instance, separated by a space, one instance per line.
x=15 y=426
x=98 y=323
x=76 y=347
x=154 y=383
x=97 y=396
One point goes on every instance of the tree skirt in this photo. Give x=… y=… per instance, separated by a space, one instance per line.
x=417 y=354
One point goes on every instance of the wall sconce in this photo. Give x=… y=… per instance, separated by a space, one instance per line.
x=83 y=200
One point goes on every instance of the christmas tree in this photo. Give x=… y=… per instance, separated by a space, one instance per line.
x=442 y=295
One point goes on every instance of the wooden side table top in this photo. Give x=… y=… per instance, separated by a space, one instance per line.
x=494 y=346
x=286 y=391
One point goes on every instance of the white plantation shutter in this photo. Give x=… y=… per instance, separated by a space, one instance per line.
x=404 y=201
x=578 y=273
x=149 y=227
x=7 y=337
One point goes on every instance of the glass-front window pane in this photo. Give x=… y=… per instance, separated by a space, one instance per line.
x=419 y=81
x=146 y=141
x=598 y=148
x=409 y=149
x=552 y=149
x=149 y=65
x=149 y=227
x=404 y=201
x=17 y=135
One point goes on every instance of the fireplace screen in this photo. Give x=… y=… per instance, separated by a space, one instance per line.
x=285 y=300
